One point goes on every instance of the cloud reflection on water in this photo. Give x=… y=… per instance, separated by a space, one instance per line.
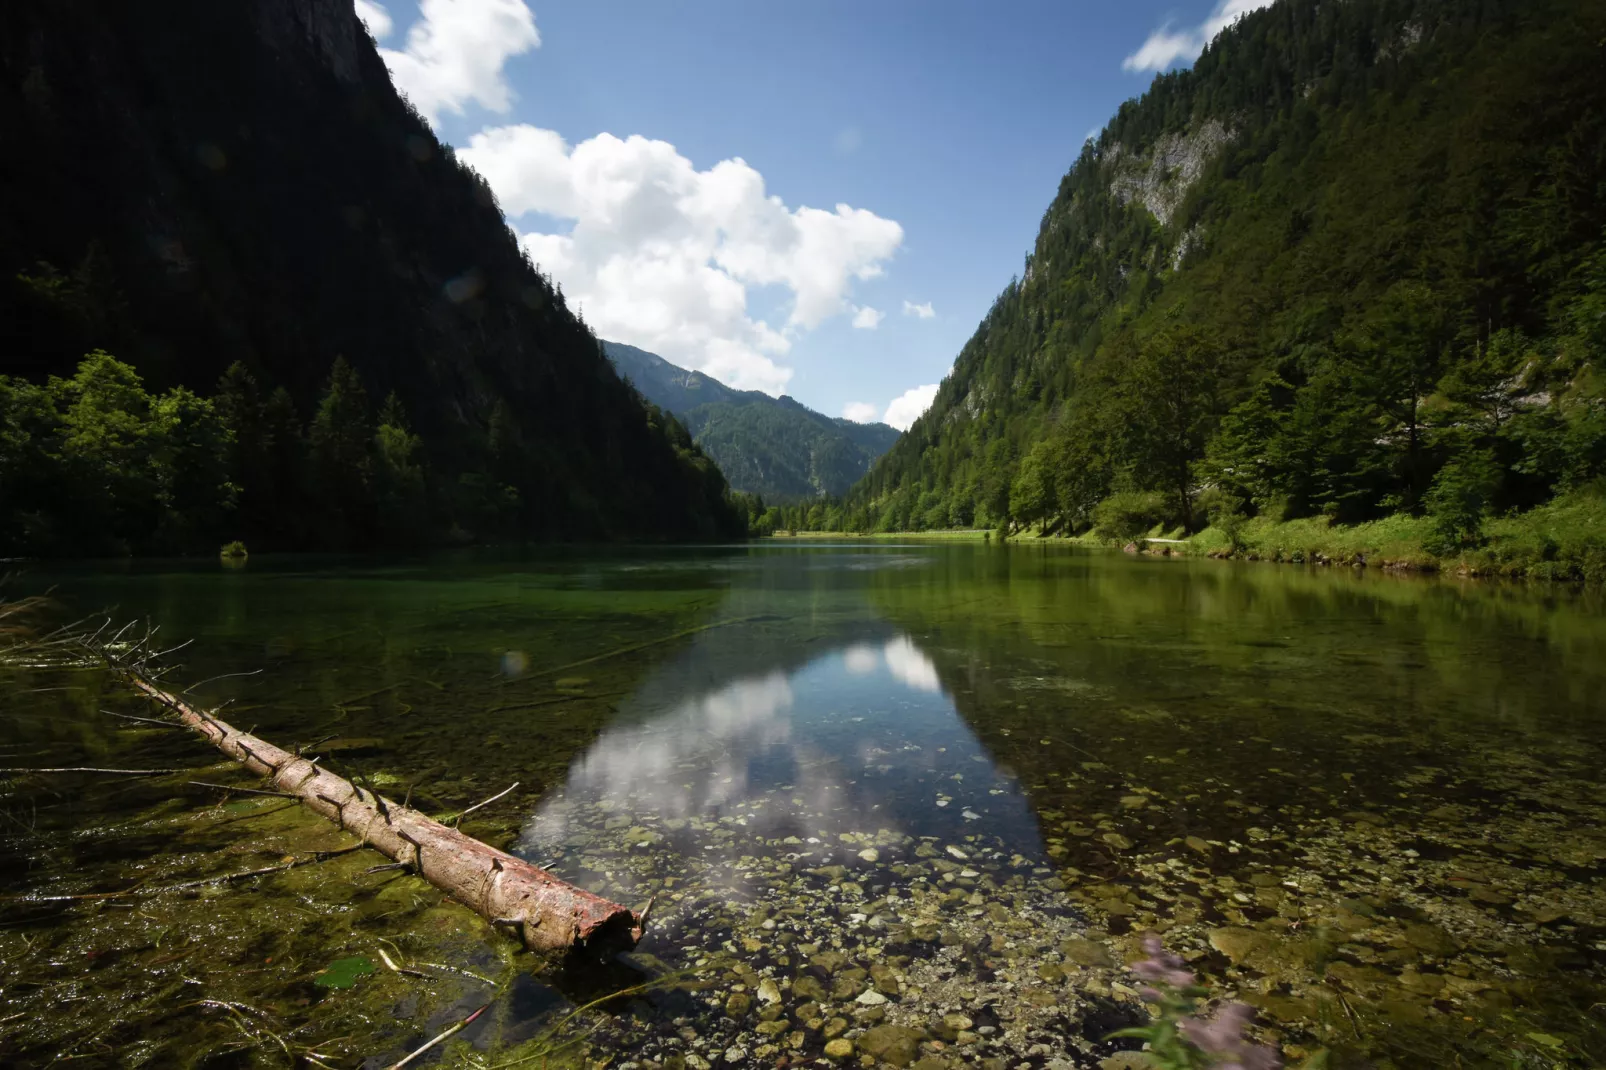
x=908 y=664
x=860 y=740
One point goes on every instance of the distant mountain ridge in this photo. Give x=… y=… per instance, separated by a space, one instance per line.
x=774 y=447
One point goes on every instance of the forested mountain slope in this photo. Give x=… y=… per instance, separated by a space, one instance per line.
x=776 y=448
x=1351 y=263
x=199 y=188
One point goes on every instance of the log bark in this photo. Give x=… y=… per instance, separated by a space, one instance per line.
x=545 y=912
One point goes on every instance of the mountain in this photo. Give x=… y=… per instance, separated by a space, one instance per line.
x=1350 y=263
x=772 y=447
x=240 y=189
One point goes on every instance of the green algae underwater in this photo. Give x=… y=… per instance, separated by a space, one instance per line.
x=892 y=804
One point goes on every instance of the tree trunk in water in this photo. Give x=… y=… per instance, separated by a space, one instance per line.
x=546 y=913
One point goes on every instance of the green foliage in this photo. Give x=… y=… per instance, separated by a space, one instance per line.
x=1170 y=404
x=344 y=973
x=1390 y=266
x=1226 y=515
x=400 y=493
x=97 y=464
x=1458 y=502
x=340 y=441
x=1563 y=539
x=196 y=492
x=1128 y=514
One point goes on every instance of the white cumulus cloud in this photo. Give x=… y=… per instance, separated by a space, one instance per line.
x=867 y=318
x=1167 y=45
x=907 y=406
x=661 y=255
x=375 y=17
x=860 y=412
x=924 y=311
x=455 y=53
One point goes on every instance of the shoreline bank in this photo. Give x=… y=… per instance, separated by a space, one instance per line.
x=1564 y=542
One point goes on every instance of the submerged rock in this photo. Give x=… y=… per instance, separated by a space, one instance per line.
x=895 y=1044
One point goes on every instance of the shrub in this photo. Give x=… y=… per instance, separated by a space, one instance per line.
x=1457 y=503
x=1128 y=514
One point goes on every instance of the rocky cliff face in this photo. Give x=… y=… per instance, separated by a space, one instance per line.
x=1161 y=180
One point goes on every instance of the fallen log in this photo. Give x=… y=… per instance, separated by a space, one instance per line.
x=544 y=912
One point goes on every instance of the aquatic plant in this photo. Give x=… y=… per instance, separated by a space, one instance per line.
x=233 y=549
x=17 y=619
x=1181 y=1037
x=20 y=625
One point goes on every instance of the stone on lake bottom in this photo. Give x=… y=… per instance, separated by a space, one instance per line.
x=895 y=1044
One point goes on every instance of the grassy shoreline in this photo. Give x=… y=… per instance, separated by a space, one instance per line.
x=944 y=535
x=1563 y=541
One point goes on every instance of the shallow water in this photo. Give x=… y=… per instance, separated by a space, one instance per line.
x=921 y=797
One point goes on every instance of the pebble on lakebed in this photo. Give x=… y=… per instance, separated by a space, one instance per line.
x=1436 y=923
x=863 y=948
x=956 y=951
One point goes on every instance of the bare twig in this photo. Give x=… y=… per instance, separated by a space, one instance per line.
x=302 y=748
x=320 y=856
x=459 y=1027
x=171 y=650
x=243 y=791
x=144 y=720
x=665 y=981
x=400 y=969
x=369 y=694
x=387 y=866
x=535 y=705
x=487 y=802
x=458 y=969
x=106 y=772
x=220 y=676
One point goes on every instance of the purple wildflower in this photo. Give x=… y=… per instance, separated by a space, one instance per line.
x=1224 y=1035
x=1162 y=967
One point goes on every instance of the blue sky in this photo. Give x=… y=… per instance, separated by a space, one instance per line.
x=679 y=167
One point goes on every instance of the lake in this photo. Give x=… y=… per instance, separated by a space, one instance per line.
x=925 y=797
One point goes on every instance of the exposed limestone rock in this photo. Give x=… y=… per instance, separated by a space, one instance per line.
x=1161 y=181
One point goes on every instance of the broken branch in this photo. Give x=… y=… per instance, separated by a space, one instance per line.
x=105 y=772
x=487 y=802
x=549 y=913
x=459 y=1027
